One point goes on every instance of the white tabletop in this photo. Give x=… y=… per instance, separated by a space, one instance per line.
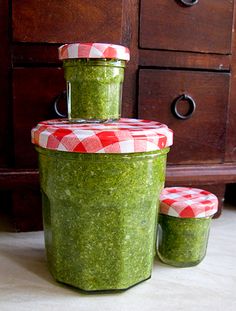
x=25 y=283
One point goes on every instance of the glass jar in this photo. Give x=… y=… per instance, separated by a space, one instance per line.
x=99 y=209
x=184 y=224
x=94 y=80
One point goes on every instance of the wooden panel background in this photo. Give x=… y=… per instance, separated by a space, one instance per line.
x=5 y=89
x=67 y=21
x=230 y=155
x=34 y=92
x=204 y=27
x=200 y=139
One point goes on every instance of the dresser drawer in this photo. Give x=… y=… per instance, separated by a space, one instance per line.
x=34 y=92
x=203 y=27
x=66 y=21
x=200 y=138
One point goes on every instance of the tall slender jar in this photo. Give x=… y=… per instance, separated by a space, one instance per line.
x=100 y=184
x=94 y=74
x=184 y=225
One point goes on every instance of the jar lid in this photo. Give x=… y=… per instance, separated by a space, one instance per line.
x=123 y=136
x=186 y=202
x=94 y=50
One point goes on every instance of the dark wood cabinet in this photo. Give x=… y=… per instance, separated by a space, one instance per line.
x=34 y=92
x=201 y=138
x=67 y=21
x=170 y=25
x=176 y=50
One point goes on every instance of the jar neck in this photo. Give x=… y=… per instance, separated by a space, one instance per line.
x=94 y=62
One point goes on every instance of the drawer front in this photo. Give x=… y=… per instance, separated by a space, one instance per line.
x=66 y=21
x=203 y=27
x=34 y=92
x=201 y=138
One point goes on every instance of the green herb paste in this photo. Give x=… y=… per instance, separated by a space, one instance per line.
x=100 y=215
x=183 y=241
x=94 y=88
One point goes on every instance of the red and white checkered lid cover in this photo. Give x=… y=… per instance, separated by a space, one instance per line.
x=185 y=202
x=123 y=136
x=94 y=50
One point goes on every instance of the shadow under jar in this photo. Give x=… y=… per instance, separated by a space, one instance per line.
x=100 y=199
x=94 y=73
x=184 y=225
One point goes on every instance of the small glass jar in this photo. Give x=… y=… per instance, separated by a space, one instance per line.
x=94 y=73
x=99 y=208
x=184 y=225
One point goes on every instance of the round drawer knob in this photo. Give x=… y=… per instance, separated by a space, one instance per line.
x=191 y=107
x=188 y=2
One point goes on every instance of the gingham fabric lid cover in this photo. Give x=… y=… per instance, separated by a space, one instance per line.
x=94 y=50
x=123 y=136
x=186 y=202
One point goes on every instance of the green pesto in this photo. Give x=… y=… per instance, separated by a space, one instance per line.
x=100 y=216
x=94 y=88
x=183 y=241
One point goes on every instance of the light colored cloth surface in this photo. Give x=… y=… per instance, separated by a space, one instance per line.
x=25 y=283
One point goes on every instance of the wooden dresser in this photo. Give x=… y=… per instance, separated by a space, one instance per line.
x=182 y=72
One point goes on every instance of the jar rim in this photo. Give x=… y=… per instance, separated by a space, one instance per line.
x=94 y=50
x=122 y=136
x=187 y=202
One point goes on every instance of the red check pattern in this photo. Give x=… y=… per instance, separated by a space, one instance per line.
x=187 y=202
x=123 y=136
x=94 y=50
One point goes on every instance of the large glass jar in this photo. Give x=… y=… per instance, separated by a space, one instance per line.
x=94 y=73
x=184 y=224
x=100 y=209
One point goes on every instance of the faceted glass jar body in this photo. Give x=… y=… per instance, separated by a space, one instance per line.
x=183 y=241
x=100 y=216
x=94 y=89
